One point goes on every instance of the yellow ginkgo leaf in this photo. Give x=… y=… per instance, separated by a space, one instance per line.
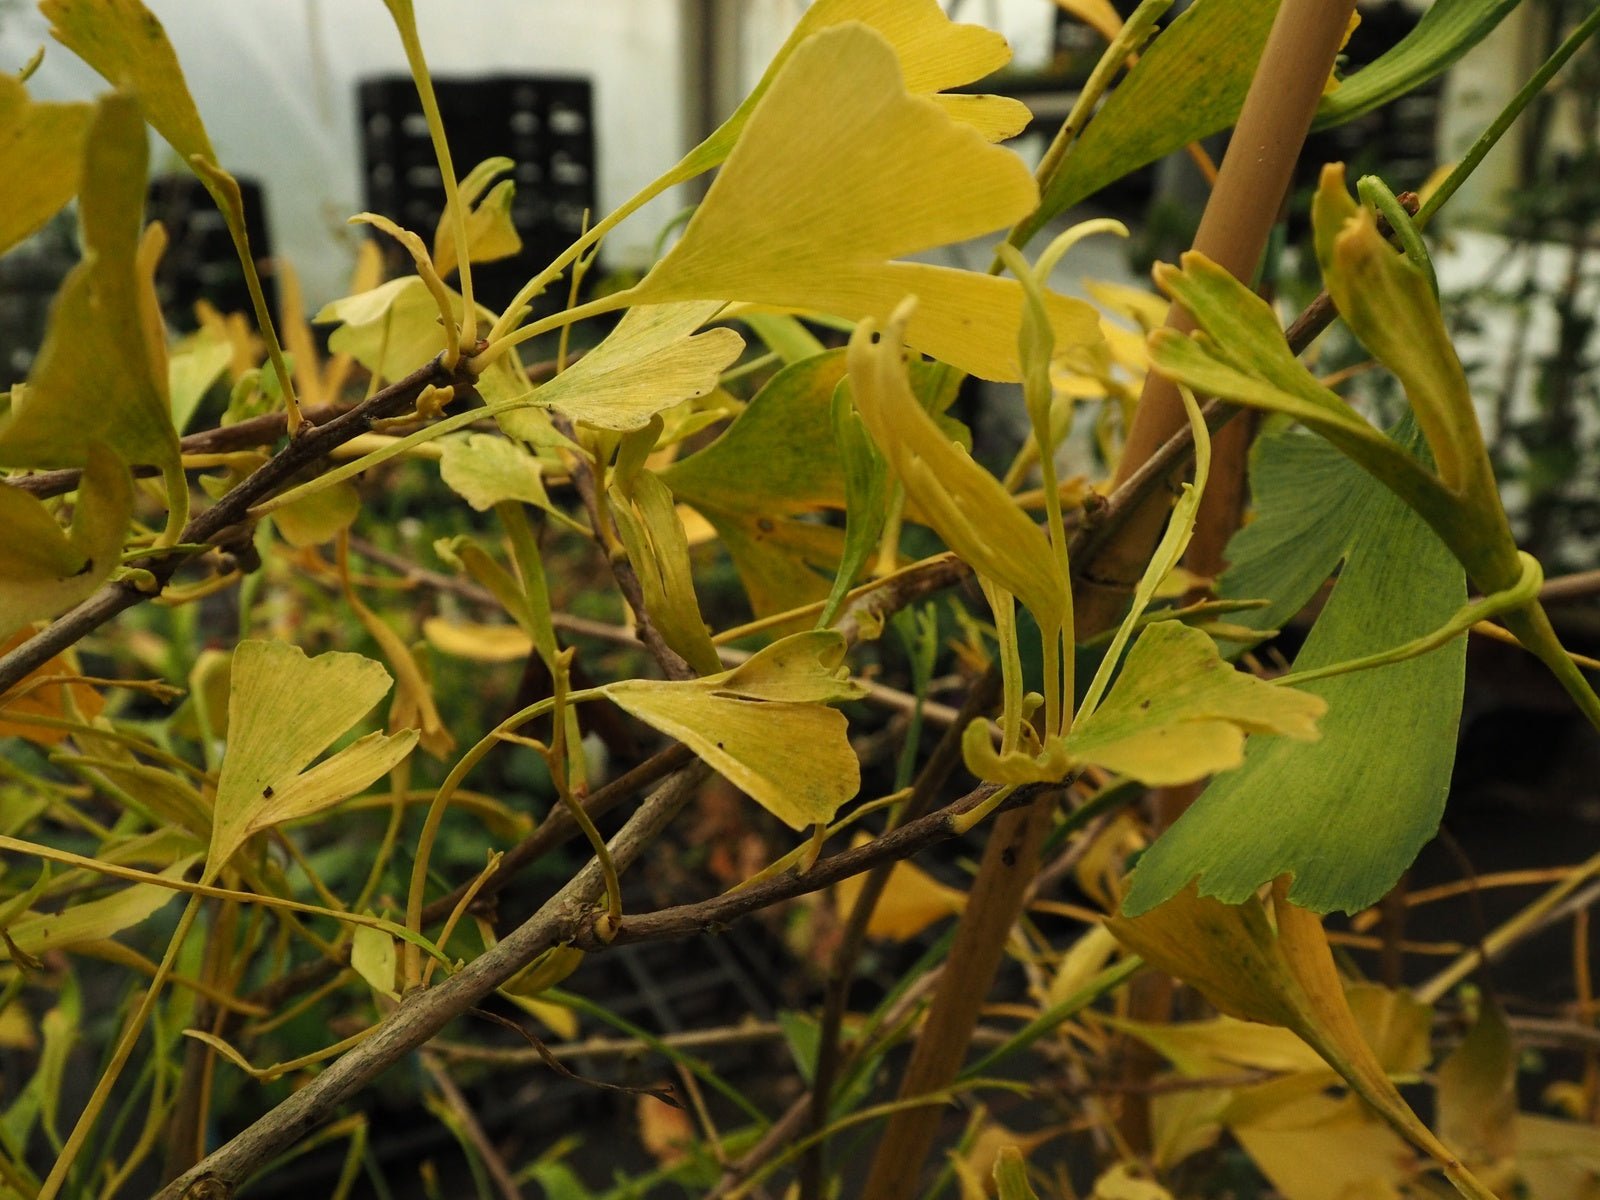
x=1276 y=967
x=41 y=154
x=480 y=643
x=484 y=469
x=57 y=701
x=319 y=517
x=284 y=709
x=764 y=725
x=43 y=570
x=394 y=328
x=934 y=53
x=965 y=505
x=490 y=232
x=102 y=371
x=839 y=171
x=912 y=901
x=651 y=361
x=123 y=40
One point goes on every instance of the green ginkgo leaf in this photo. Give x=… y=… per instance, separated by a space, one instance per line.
x=841 y=170
x=650 y=362
x=44 y=570
x=41 y=157
x=1342 y=817
x=285 y=709
x=491 y=233
x=765 y=725
x=102 y=371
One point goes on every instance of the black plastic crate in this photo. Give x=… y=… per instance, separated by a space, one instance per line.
x=545 y=124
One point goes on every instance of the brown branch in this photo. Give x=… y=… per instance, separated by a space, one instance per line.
x=424 y=1013
x=217 y=525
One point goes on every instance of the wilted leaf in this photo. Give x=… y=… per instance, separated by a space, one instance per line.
x=1343 y=816
x=57 y=700
x=1477 y=1090
x=763 y=725
x=1282 y=975
x=44 y=570
x=102 y=370
x=666 y=1131
x=284 y=709
x=1313 y=1147
x=41 y=155
x=658 y=548
x=840 y=170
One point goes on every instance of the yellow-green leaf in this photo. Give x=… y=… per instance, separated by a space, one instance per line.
x=123 y=40
x=965 y=505
x=45 y=571
x=102 y=371
x=1011 y=1176
x=394 y=328
x=490 y=232
x=651 y=361
x=95 y=920
x=764 y=725
x=319 y=517
x=285 y=709
x=841 y=170
x=484 y=469
x=1179 y=712
x=372 y=954
x=480 y=643
x=41 y=154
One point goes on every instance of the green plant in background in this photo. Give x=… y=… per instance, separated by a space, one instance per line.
x=339 y=865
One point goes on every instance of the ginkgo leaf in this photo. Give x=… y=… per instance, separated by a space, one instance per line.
x=491 y=233
x=650 y=362
x=44 y=570
x=193 y=368
x=1343 y=817
x=56 y=700
x=394 y=328
x=840 y=170
x=123 y=40
x=319 y=517
x=484 y=469
x=1277 y=968
x=285 y=709
x=41 y=155
x=764 y=725
x=94 y=920
x=964 y=504
x=1176 y=712
x=480 y=643
x=911 y=901
x=934 y=54
x=102 y=370
x=373 y=957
